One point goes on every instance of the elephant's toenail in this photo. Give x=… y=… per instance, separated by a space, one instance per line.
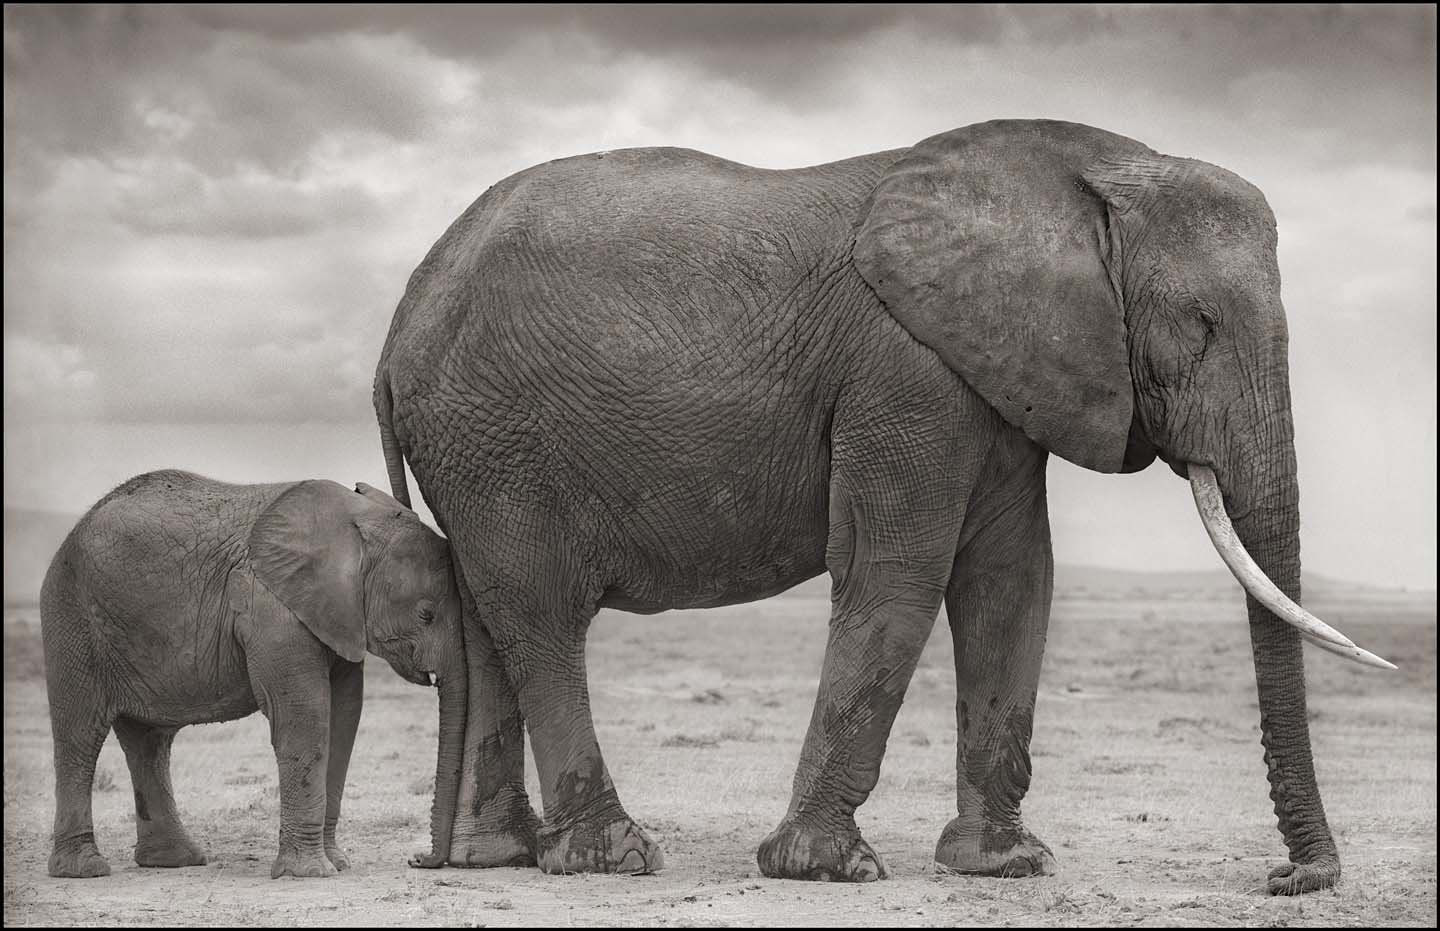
x=1020 y=866
x=633 y=862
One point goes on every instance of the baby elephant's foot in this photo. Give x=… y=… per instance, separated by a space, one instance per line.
x=80 y=860
x=619 y=846
x=303 y=864
x=796 y=850
x=983 y=849
x=1297 y=878
x=168 y=850
x=337 y=857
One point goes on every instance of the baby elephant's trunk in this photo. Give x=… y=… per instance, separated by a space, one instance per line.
x=451 y=679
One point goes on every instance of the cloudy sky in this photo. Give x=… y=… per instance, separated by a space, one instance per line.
x=211 y=212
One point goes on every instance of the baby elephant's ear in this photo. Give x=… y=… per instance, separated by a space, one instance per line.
x=306 y=548
x=378 y=496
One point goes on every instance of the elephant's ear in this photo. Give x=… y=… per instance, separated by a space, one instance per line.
x=306 y=548
x=379 y=497
x=988 y=247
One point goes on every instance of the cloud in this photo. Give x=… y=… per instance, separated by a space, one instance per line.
x=156 y=197
x=46 y=378
x=109 y=83
x=1376 y=65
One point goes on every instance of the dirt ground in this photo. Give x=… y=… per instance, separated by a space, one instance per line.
x=1148 y=784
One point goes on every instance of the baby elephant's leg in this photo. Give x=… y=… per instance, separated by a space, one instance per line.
x=347 y=688
x=79 y=733
x=292 y=686
x=160 y=837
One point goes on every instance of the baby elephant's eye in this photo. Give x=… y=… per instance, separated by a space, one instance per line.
x=427 y=614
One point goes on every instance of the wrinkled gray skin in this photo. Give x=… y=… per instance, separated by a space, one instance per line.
x=652 y=379
x=181 y=600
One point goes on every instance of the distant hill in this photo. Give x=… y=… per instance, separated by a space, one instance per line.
x=1069 y=578
x=31 y=539
x=1097 y=582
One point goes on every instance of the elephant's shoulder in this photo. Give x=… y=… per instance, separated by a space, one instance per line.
x=255 y=615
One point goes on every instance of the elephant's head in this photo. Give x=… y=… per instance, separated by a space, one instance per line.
x=1115 y=304
x=362 y=572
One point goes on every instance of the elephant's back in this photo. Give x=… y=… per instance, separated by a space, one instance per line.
x=654 y=295
x=625 y=249
x=135 y=606
x=158 y=546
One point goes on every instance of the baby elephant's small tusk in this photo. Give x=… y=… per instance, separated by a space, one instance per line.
x=433 y=679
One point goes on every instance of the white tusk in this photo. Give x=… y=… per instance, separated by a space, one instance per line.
x=1364 y=657
x=1254 y=580
x=433 y=679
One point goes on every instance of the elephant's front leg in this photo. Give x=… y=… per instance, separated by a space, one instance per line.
x=890 y=565
x=347 y=697
x=292 y=686
x=999 y=608
x=494 y=823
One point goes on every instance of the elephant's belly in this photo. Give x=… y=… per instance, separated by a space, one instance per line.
x=181 y=709
x=157 y=670
x=725 y=535
x=708 y=592
x=173 y=697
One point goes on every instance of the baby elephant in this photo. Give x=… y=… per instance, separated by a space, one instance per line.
x=182 y=600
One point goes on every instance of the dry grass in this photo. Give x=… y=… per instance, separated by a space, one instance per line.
x=1148 y=785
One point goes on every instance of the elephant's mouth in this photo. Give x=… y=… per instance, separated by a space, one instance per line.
x=1252 y=578
x=421 y=677
x=1179 y=466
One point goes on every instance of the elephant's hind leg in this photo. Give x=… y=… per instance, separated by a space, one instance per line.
x=538 y=623
x=495 y=825
x=999 y=608
x=79 y=728
x=161 y=839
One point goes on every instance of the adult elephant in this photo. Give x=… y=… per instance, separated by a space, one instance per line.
x=651 y=379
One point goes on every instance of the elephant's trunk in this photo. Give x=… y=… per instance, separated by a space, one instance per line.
x=1262 y=500
x=454 y=698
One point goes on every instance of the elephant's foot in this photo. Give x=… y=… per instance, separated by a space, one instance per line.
x=503 y=834
x=796 y=850
x=78 y=860
x=337 y=857
x=969 y=845
x=620 y=846
x=303 y=864
x=168 y=850
x=1295 y=878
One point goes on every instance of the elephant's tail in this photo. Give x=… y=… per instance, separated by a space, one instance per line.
x=394 y=458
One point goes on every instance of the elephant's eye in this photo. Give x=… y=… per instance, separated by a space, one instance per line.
x=1209 y=316
x=427 y=615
